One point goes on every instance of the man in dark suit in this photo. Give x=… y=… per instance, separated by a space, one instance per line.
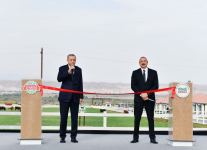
x=144 y=79
x=71 y=78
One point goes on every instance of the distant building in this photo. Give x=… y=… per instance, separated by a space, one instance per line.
x=199 y=104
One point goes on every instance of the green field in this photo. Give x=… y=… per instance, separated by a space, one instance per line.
x=89 y=121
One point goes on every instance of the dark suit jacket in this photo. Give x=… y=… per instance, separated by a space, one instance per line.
x=138 y=84
x=71 y=82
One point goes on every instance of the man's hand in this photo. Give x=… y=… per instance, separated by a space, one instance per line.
x=81 y=101
x=70 y=69
x=144 y=96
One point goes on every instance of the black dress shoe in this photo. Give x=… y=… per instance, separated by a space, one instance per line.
x=153 y=141
x=74 y=141
x=62 y=140
x=134 y=141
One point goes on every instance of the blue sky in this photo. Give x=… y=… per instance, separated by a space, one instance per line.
x=108 y=37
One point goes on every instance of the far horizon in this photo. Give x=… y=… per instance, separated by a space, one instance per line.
x=15 y=85
x=98 y=82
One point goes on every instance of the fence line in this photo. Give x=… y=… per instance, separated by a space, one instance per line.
x=201 y=119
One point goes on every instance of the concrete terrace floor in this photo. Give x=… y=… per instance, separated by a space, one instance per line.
x=10 y=141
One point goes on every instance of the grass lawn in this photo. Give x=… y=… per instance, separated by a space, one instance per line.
x=129 y=122
x=51 y=109
x=89 y=121
x=56 y=109
x=88 y=110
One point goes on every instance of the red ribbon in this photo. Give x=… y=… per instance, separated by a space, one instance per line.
x=172 y=89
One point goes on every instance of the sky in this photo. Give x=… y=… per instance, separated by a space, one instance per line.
x=108 y=37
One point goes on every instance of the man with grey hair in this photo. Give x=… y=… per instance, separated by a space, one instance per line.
x=71 y=78
x=144 y=79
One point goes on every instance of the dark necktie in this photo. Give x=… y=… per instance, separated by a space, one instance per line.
x=144 y=76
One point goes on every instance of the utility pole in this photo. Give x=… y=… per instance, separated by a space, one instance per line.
x=41 y=52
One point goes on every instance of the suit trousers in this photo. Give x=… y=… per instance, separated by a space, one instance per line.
x=138 y=109
x=64 y=109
